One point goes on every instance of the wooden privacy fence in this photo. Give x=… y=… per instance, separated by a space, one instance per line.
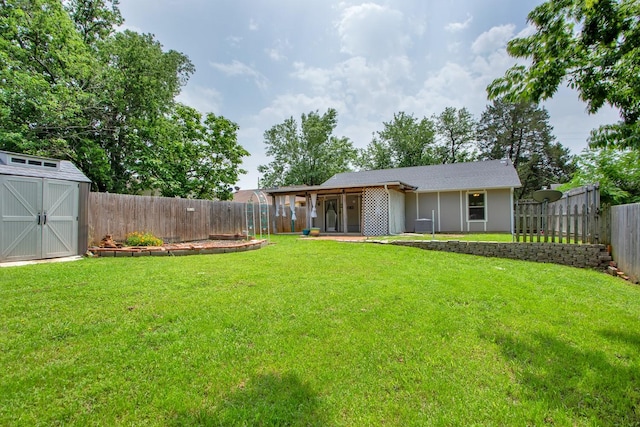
x=537 y=222
x=625 y=238
x=177 y=220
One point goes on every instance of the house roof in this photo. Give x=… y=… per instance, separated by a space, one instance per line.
x=35 y=167
x=489 y=174
x=328 y=189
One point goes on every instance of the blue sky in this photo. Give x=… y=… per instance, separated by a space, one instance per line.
x=261 y=62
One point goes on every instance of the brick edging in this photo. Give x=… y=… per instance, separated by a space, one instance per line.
x=162 y=251
x=581 y=256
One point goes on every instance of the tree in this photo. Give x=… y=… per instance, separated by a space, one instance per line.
x=42 y=62
x=136 y=87
x=305 y=155
x=404 y=141
x=521 y=133
x=594 y=46
x=617 y=172
x=188 y=155
x=72 y=87
x=456 y=130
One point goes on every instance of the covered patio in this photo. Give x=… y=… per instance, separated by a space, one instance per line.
x=371 y=209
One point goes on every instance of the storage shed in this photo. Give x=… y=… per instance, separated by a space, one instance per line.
x=43 y=208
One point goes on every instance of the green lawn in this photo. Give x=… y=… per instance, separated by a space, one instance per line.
x=472 y=237
x=317 y=333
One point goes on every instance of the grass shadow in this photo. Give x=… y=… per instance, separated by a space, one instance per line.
x=586 y=385
x=266 y=400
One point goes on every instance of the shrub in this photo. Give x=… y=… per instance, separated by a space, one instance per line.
x=142 y=239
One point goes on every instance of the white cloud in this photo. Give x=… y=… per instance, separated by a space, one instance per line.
x=237 y=68
x=276 y=52
x=234 y=41
x=494 y=39
x=203 y=99
x=373 y=31
x=253 y=25
x=122 y=28
x=364 y=87
x=454 y=27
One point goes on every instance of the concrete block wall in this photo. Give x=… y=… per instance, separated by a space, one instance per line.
x=582 y=256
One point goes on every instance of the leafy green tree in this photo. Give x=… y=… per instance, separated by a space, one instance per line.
x=456 y=132
x=617 y=172
x=136 y=87
x=188 y=155
x=308 y=154
x=42 y=62
x=521 y=133
x=593 y=46
x=94 y=19
x=72 y=87
x=404 y=141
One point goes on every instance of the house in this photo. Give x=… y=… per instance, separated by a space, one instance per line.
x=452 y=198
x=43 y=208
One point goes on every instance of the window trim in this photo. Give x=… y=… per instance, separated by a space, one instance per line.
x=484 y=206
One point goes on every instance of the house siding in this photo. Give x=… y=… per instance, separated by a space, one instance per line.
x=450 y=213
x=397 y=213
x=427 y=206
x=450 y=210
x=499 y=210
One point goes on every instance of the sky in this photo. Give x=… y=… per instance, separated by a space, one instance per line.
x=259 y=62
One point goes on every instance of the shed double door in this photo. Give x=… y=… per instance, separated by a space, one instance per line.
x=38 y=218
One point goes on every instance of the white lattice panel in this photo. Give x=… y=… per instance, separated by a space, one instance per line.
x=375 y=206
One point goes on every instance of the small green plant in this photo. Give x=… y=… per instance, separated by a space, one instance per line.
x=142 y=239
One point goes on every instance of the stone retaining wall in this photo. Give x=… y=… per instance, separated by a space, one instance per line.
x=582 y=256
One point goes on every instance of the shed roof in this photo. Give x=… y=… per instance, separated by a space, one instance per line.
x=64 y=170
x=489 y=174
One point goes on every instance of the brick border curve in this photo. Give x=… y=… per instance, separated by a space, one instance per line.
x=195 y=249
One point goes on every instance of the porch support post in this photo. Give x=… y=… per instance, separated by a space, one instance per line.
x=344 y=213
x=307 y=200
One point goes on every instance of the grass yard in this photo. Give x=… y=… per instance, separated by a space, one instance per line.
x=470 y=237
x=317 y=333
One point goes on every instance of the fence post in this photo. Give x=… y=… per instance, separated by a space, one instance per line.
x=560 y=223
x=585 y=237
x=552 y=221
x=575 y=224
x=517 y=221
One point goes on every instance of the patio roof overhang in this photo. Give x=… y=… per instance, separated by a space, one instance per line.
x=303 y=191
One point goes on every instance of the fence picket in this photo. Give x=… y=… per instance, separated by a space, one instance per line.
x=172 y=219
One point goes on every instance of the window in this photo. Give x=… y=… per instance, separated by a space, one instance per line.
x=476 y=206
x=36 y=163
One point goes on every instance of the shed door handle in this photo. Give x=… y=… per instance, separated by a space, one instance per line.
x=45 y=219
x=38 y=218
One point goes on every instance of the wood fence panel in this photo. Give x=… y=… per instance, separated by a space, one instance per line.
x=560 y=223
x=168 y=218
x=283 y=224
x=625 y=238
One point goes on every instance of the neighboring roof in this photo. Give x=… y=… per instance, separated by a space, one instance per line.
x=489 y=174
x=64 y=170
x=244 y=196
